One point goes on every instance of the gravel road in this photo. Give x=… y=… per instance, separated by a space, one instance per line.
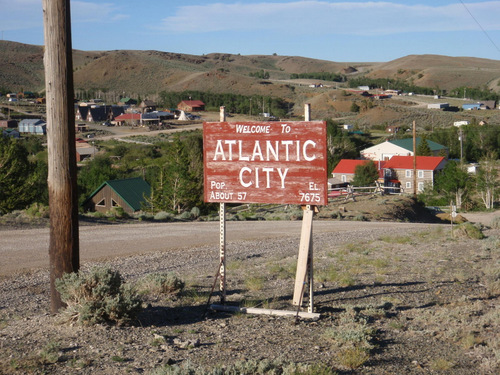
x=25 y=249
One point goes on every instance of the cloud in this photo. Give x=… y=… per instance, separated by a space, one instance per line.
x=24 y=14
x=312 y=17
x=83 y=11
x=20 y=14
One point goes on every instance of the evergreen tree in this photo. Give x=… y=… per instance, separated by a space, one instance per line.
x=423 y=148
x=94 y=174
x=178 y=184
x=18 y=181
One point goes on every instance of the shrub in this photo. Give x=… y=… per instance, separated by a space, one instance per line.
x=163 y=216
x=119 y=213
x=98 y=296
x=495 y=222
x=186 y=215
x=469 y=230
x=251 y=366
x=38 y=210
x=195 y=212
x=160 y=283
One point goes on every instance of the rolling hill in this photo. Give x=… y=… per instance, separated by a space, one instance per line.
x=146 y=73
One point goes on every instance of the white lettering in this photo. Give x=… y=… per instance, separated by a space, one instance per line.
x=286 y=144
x=230 y=143
x=306 y=143
x=295 y=150
x=254 y=129
x=268 y=170
x=257 y=152
x=282 y=176
x=244 y=158
x=271 y=150
x=219 y=151
x=242 y=170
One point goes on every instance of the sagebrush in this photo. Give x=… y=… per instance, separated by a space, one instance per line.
x=98 y=296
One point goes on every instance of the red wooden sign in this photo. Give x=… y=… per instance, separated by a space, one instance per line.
x=265 y=162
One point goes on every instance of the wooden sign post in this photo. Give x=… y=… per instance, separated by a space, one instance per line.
x=267 y=162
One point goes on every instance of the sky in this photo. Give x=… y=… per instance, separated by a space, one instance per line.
x=341 y=31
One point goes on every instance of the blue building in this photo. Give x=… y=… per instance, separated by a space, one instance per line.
x=33 y=126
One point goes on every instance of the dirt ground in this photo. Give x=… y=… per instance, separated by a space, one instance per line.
x=393 y=298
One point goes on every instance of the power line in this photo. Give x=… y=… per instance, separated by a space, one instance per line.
x=481 y=27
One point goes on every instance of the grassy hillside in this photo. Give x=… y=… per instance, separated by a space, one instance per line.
x=149 y=72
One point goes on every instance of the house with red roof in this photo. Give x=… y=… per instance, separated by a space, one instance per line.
x=132 y=119
x=399 y=171
x=345 y=169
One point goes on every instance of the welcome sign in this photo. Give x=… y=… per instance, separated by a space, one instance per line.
x=265 y=162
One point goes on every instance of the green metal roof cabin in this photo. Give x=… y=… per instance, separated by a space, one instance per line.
x=129 y=193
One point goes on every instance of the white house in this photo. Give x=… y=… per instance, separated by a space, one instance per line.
x=438 y=105
x=400 y=147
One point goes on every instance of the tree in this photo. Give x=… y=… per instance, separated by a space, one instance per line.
x=178 y=181
x=365 y=174
x=94 y=174
x=423 y=148
x=487 y=180
x=342 y=145
x=354 y=107
x=454 y=182
x=17 y=178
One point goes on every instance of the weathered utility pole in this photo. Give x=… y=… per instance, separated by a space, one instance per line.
x=63 y=200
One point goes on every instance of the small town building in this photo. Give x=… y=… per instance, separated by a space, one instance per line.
x=10 y=132
x=191 y=105
x=400 y=147
x=148 y=106
x=129 y=194
x=6 y=124
x=399 y=172
x=471 y=107
x=33 y=126
x=488 y=104
x=344 y=171
x=128 y=101
x=84 y=150
x=438 y=106
x=130 y=119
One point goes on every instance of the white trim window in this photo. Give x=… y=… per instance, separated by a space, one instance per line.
x=102 y=203
x=343 y=178
x=420 y=186
x=420 y=174
x=408 y=184
x=408 y=173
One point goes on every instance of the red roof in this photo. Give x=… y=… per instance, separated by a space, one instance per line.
x=348 y=166
x=193 y=103
x=428 y=163
x=128 y=116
